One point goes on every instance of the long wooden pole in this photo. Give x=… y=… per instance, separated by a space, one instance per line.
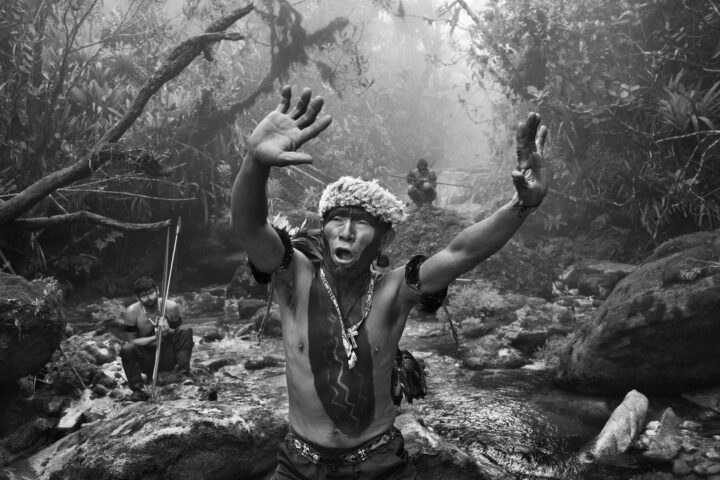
x=439 y=183
x=158 y=331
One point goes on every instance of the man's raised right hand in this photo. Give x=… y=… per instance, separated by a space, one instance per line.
x=277 y=137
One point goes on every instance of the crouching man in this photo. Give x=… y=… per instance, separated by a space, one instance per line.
x=142 y=319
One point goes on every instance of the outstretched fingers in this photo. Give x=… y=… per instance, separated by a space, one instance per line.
x=314 y=129
x=536 y=160
x=311 y=112
x=294 y=158
x=302 y=104
x=532 y=123
x=525 y=137
x=540 y=140
x=529 y=177
x=285 y=95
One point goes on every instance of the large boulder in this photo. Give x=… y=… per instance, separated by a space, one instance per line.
x=658 y=331
x=31 y=325
x=182 y=439
x=595 y=277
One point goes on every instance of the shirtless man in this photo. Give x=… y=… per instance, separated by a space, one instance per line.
x=342 y=321
x=140 y=322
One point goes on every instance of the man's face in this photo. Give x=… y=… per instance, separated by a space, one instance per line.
x=149 y=298
x=352 y=239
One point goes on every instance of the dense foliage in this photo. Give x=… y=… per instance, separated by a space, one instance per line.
x=631 y=91
x=71 y=70
x=628 y=88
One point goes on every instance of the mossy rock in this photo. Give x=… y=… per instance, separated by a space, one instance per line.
x=31 y=325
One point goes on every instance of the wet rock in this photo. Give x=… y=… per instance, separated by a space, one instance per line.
x=434 y=456
x=32 y=324
x=680 y=468
x=621 y=429
x=203 y=303
x=491 y=351
x=595 y=277
x=707 y=468
x=242 y=283
x=28 y=435
x=181 y=439
x=258 y=362
x=474 y=327
x=72 y=372
x=661 y=319
x=248 y=307
x=543 y=315
x=664 y=442
x=100 y=391
x=215 y=364
x=708 y=398
x=208 y=333
x=99 y=352
x=101 y=379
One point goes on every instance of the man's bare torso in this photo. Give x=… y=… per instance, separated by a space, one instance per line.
x=135 y=315
x=330 y=404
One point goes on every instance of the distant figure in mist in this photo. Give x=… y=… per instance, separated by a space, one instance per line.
x=423 y=183
x=142 y=319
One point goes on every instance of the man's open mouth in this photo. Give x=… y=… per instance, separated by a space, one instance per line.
x=343 y=254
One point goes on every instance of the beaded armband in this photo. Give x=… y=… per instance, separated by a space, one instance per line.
x=264 y=277
x=429 y=302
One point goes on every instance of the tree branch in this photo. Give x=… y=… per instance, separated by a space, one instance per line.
x=471 y=13
x=177 y=60
x=206 y=131
x=84 y=216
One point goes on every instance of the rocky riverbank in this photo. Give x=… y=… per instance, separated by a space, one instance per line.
x=492 y=411
x=634 y=347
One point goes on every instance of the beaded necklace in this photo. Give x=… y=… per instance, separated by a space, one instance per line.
x=349 y=334
x=147 y=316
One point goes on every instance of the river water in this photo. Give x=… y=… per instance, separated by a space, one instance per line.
x=516 y=423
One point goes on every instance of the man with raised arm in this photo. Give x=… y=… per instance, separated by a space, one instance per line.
x=341 y=320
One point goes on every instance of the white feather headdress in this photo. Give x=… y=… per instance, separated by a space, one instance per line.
x=368 y=195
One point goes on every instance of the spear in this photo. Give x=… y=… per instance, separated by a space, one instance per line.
x=439 y=183
x=167 y=273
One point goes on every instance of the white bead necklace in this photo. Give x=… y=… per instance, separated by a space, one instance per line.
x=349 y=334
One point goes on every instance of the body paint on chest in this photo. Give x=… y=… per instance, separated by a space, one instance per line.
x=347 y=395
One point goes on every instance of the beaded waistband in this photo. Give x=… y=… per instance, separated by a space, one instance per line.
x=353 y=455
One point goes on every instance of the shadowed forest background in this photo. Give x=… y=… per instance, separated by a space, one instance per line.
x=120 y=116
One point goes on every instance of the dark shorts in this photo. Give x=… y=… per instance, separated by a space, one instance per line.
x=387 y=462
